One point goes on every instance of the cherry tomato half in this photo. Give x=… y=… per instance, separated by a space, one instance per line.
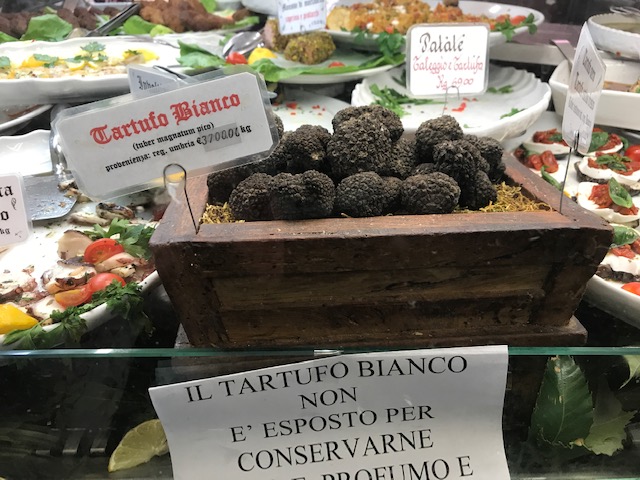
x=549 y=160
x=633 y=287
x=336 y=64
x=75 y=297
x=633 y=152
x=235 y=58
x=103 y=280
x=101 y=249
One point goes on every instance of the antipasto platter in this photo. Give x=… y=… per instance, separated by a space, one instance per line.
x=606 y=182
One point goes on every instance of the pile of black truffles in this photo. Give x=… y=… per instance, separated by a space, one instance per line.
x=364 y=169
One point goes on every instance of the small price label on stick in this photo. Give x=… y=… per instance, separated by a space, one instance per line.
x=296 y=16
x=585 y=86
x=15 y=224
x=444 y=56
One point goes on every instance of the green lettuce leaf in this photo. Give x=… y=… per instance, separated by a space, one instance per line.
x=608 y=430
x=136 y=25
x=633 y=361
x=49 y=27
x=6 y=38
x=563 y=414
x=209 y=5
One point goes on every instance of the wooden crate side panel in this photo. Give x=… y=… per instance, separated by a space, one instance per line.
x=364 y=252
x=395 y=287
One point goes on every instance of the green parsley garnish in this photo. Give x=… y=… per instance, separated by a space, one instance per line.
x=93 y=47
x=5 y=62
x=511 y=113
x=501 y=90
x=393 y=100
x=48 y=60
x=134 y=238
x=508 y=29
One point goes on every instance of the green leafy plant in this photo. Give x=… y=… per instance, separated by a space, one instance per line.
x=566 y=416
x=49 y=27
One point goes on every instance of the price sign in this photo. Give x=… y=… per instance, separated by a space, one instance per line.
x=295 y=16
x=445 y=58
x=430 y=414
x=15 y=224
x=585 y=86
x=145 y=80
x=115 y=148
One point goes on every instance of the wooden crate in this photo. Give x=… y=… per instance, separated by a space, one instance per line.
x=416 y=280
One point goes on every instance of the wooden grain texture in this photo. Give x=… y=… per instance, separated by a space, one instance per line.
x=393 y=280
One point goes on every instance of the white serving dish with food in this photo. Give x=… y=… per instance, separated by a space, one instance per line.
x=477 y=9
x=78 y=79
x=513 y=102
x=616 y=33
x=616 y=108
x=12 y=118
x=299 y=107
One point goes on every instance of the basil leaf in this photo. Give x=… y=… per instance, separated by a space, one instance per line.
x=619 y=194
x=598 y=140
x=613 y=161
x=623 y=235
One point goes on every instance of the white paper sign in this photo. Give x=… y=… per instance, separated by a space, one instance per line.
x=424 y=414
x=585 y=86
x=143 y=78
x=124 y=148
x=445 y=58
x=15 y=224
x=295 y=16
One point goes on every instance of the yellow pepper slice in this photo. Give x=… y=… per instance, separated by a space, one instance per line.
x=12 y=318
x=260 y=53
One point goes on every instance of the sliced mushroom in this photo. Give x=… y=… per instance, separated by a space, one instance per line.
x=42 y=309
x=14 y=284
x=110 y=211
x=85 y=218
x=117 y=261
x=72 y=244
x=66 y=276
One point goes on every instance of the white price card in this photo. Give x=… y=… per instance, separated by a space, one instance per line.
x=295 y=16
x=145 y=80
x=585 y=86
x=422 y=414
x=15 y=224
x=447 y=59
x=124 y=147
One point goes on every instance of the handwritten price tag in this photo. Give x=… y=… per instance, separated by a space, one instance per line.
x=443 y=57
x=15 y=224
x=295 y=16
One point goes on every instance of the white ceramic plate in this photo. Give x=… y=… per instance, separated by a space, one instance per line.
x=15 y=117
x=490 y=10
x=609 y=32
x=300 y=108
x=40 y=250
x=607 y=295
x=484 y=115
x=615 y=109
x=27 y=91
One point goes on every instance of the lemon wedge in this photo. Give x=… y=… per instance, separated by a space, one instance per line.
x=12 y=318
x=139 y=445
x=74 y=66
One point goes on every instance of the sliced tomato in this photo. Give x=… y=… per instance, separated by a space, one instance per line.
x=633 y=152
x=73 y=298
x=633 y=287
x=236 y=58
x=101 y=249
x=336 y=64
x=103 y=280
x=549 y=160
